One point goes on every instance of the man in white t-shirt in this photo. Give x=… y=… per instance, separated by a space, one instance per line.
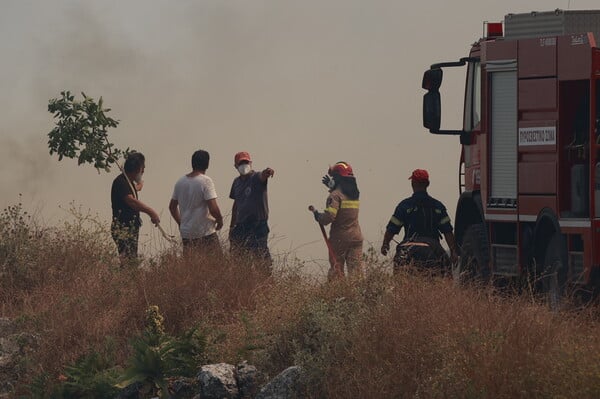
x=194 y=208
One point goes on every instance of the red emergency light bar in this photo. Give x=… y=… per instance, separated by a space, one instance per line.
x=494 y=29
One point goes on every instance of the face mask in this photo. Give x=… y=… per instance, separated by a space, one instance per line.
x=244 y=169
x=138 y=178
x=331 y=183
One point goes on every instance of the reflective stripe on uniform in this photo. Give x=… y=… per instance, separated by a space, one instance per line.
x=445 y=220
x=438 y=211
x=396 y=221
x=346 y=204
x=414 y=244
x=331 y=210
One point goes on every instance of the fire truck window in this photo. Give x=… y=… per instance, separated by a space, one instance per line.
x=476 y=94
x=473 y=97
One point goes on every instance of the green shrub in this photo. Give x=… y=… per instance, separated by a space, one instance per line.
x=158 y=356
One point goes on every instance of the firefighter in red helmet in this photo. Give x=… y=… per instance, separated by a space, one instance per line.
x=424 y=220
x=341 y=212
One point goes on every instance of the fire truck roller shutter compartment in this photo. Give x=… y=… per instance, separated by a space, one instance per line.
x=503 y=133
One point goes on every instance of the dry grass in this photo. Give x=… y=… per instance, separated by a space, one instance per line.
x=419 y=336
x=384 y=336
x=76 y=313
x=430 y=339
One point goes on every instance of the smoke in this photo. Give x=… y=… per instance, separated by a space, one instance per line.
x=22 y=168
x=298 y=84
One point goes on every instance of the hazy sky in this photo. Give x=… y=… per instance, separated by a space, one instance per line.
x=298 y=84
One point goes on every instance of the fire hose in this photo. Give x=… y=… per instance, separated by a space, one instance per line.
x=335 y=265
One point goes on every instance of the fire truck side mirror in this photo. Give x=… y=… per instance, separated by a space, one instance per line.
x=432 y=108
x=432 y=79
x=432 y=111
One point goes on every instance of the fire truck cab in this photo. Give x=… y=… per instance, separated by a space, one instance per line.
x=529 y=202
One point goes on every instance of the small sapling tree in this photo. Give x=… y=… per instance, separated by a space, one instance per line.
x=81 y=132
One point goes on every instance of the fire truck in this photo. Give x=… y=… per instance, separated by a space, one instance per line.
x=529 y=173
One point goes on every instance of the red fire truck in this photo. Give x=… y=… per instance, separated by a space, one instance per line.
x=529 y=202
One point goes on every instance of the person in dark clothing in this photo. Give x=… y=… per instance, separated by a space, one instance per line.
x=249 y=229
x=424 y=220
x=126 y=208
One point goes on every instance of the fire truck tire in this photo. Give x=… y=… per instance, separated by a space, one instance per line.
x=474 y=262
x=554 y=273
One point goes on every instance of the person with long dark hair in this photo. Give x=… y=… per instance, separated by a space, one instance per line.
x=341 y=211
x=126 y=208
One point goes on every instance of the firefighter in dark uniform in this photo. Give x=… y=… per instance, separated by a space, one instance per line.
x=424 y=220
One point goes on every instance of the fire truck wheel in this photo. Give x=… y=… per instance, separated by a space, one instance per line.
x=554 y=274
x=474 y=262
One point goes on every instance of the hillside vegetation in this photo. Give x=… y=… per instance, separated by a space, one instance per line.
x=384 y=336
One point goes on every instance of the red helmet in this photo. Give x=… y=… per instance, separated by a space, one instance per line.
x=341 y=168
x=419 y=176
x=241 y=156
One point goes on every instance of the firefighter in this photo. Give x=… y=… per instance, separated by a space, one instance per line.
x=423 y=218
x=341 y=212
